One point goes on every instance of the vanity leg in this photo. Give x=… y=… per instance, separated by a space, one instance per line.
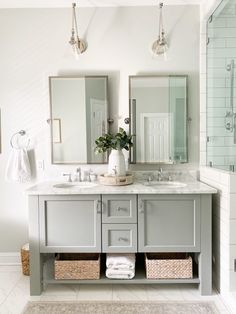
x=36 y=259
x=205 y=258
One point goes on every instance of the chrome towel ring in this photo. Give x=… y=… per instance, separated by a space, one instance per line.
x=14 y=140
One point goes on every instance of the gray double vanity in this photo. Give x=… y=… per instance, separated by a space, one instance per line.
x=135 y=218
x=161 y=214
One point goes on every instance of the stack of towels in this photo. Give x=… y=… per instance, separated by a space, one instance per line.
x=120 y=266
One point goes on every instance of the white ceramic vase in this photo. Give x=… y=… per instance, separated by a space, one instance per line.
x=116 y=163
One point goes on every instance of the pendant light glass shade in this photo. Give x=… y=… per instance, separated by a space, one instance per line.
x=78 y=45
x=159 y=47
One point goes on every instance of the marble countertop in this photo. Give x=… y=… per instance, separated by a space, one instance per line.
x=192 y=187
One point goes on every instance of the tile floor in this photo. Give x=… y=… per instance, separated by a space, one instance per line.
x=14 y=292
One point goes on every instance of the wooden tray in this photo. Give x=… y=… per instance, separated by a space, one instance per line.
x=116 y=180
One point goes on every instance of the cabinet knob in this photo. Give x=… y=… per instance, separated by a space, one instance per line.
x=121 y=208
x=123 y=239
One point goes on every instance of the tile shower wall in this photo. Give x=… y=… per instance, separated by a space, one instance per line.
x=224 y=203
x=224 y=227
x=221 y=50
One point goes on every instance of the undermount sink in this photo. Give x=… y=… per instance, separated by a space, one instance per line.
x=74 y=185
x=166 y=184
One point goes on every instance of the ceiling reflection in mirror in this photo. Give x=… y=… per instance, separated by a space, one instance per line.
x=79 y=110
x=158 y=115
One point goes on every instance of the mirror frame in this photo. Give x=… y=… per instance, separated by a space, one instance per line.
x=50 y=119
x=132 y=154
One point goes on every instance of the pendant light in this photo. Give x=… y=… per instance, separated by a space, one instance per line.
x=159 y=47
x=78 y=45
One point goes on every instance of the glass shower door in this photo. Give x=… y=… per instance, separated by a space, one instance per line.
x=221 y=89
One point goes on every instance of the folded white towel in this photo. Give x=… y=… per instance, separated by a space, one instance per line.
x=120 y=261
x=18 y=166
x=120 y=274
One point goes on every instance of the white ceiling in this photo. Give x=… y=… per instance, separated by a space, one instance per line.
x=90 y=3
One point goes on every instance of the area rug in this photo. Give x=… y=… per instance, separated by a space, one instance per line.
x=120 y=307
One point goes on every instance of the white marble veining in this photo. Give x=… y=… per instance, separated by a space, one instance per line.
x=138 y=187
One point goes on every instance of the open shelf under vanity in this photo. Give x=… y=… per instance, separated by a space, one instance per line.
x=140 y=276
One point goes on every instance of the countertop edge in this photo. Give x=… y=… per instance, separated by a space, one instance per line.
x=195 y=187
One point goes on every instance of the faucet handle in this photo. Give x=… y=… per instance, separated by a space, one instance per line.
x=89 y=175
x=67 y=175
x=78 y=174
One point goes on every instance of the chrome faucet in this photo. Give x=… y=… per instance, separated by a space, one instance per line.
x=89 y=175
x=67 y=175
x=78 y=174
x=160 y=174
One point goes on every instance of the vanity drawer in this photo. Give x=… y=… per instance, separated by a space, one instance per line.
x=119 y=238
x=119 y=209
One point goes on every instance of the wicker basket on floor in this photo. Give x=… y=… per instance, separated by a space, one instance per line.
x=168 y=266
x=25 y=259
x=77 y=266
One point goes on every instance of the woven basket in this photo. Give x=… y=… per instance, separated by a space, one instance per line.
x=77 y=266
x=168 y=266
x=25 y=259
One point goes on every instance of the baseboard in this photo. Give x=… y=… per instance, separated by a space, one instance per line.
x=10 y=258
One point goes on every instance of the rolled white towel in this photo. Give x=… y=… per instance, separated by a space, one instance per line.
x=120 y=273
x=120 y=261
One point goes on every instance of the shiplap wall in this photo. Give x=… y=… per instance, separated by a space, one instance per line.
x=34 y=44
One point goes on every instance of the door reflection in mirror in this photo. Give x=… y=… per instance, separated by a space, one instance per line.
x=79 y=115
x=158 y=115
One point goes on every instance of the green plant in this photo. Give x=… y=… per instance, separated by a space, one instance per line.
x=109 y=141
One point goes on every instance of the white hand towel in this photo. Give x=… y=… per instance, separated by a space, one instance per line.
x=18 y=166
x=120 y=274
x=120 y=261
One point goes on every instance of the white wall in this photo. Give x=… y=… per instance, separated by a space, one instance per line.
x=33 y=47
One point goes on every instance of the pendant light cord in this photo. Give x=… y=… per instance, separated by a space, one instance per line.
x=161 y=29
x=76 y=26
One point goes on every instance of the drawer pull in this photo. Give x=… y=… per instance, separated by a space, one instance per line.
x=123 y=239
x=141 y=207
x=99 y=207
x=121 y=208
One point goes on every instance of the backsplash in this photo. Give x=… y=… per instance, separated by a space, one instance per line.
x=187 y=176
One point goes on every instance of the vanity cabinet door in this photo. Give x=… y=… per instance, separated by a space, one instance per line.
x=169 y=223
x=119 y=208
x=70 y=223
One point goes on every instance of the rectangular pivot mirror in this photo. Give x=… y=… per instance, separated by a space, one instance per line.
x=78 y=117
x=158 y=119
